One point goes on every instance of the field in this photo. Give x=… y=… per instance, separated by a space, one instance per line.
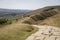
x=16 y=31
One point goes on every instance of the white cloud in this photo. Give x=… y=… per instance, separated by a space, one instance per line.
x=26 y=4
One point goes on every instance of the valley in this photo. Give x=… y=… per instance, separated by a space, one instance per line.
x=40 y=24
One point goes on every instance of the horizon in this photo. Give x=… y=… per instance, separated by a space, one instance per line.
x=27 y=4
x=27 y=9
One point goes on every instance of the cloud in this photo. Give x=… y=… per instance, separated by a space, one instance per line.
x=27 y=4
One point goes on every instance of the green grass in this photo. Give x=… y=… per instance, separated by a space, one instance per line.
x=16 y=32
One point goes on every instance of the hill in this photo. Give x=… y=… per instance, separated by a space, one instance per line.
x=13 y=10
x=45 y=16
x=19 y=31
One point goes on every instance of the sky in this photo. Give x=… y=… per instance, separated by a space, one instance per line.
x=27 y=4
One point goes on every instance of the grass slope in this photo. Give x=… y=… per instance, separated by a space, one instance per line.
x=53 y=21
x=16 y=31
x=45 y=16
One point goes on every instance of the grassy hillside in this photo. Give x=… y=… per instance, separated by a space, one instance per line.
x=47 y=15
x=16 y=31
x=53 y=21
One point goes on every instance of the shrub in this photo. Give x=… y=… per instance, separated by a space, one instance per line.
x=5 y=21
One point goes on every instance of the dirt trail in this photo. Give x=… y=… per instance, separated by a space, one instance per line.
x=45 y=33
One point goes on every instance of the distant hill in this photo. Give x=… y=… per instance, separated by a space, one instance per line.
x=49 y=15
x=13 y=10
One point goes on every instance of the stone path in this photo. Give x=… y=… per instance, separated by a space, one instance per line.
x=45 y=33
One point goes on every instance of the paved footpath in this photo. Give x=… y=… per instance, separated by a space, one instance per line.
x=45 y=33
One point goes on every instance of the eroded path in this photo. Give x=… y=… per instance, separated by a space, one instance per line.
x=45 y=33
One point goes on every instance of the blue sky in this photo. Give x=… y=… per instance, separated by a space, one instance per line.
x=27 y=4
